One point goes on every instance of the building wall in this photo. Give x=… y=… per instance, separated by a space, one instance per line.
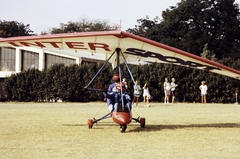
x=15 y=60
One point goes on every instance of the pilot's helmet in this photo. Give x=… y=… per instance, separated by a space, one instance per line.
x=116 y=78
x=118 y=86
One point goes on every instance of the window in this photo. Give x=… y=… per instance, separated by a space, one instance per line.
x=52 y=59
x=29 y=60
x=7 y=59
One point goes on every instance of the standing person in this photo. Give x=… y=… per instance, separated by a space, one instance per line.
x=173 y=87
x=125 y=82
x=167 y=91
x=136 y=93
x=146 y=94
x=203 y=87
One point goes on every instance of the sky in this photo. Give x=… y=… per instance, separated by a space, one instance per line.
x=42 y=15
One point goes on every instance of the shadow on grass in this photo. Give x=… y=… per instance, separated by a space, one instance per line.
x=149 y=128
x=96 y=124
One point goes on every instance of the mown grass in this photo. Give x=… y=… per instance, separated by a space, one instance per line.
x=59 y=130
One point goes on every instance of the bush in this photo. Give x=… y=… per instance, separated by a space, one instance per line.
x=67 y=83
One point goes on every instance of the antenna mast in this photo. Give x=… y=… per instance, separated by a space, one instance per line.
x=120 y=25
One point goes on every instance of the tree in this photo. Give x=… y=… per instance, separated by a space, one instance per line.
x=193 y=23
x=14 y=28
x=146 y=28
x=83 y=25
x=208 y=54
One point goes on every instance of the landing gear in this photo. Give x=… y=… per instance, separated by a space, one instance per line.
x=142 y=122
x=93 y=121
x=90 y=123
x=123 y=128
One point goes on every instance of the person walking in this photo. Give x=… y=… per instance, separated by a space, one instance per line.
x=203 y=87
x=146 y=94
x=173 y=87
x=136 y=93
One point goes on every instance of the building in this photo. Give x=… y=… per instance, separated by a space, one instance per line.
x=14 y=60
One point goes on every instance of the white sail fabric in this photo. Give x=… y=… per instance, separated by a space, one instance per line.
x=136 y=49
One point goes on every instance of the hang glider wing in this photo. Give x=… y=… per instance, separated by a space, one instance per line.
x=136 y=49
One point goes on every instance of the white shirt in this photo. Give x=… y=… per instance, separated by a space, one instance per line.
x=167 y=85
x=137 y=89
x=203 y=89
x=173 y=85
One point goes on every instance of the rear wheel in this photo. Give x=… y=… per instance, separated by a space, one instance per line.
x=90 y=123
x=142 y=122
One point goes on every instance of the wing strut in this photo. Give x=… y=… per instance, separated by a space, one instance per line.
x=130 y=73
x=118 y=70
x=99 y=72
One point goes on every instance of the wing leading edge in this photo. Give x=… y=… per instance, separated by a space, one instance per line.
x=136 y=49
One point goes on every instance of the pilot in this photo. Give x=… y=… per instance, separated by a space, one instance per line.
x=112 y=87
x=125 y=96
x=113 y=94
x=110 y=95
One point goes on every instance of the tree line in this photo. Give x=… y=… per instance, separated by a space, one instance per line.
x=207 y=28
x=67 y=83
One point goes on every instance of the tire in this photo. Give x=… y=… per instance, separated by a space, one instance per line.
x=123 y=128
x=90 y=123
x=142 y=122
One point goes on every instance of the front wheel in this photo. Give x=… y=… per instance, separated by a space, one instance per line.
x=123 y=128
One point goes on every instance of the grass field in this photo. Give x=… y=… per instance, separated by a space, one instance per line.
x=178 y=131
